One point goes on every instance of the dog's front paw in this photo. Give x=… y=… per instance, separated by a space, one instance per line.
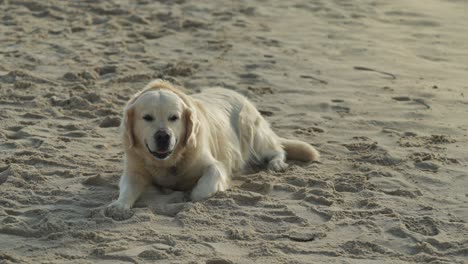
x=202 y=192
x=213 y=180
x=118 y=211
x=206 y=188
x=277 y=165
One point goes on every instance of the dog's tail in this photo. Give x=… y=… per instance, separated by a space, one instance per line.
x=299 y=150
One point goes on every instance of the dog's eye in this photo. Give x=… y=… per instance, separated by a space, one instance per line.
x=173 y=118
x=148 y=118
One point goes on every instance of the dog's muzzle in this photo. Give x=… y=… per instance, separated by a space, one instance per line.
x=158 y=154
x=162 y=139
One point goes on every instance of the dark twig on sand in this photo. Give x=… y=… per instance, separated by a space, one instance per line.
x=416 y=100
x=313 y=78
x=421 y=101
x=359 y=68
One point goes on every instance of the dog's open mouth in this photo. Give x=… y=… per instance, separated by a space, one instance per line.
x=157 y=154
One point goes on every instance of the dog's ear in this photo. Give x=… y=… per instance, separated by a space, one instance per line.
x=192 y=126
x=127 y=126
x=128 y=121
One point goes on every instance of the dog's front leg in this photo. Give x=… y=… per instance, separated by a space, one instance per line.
x=131 y=187
x=213 y=180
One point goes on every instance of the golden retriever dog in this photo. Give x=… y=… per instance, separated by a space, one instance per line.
x=195 y=143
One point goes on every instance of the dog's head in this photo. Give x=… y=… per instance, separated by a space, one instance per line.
x=160 y=122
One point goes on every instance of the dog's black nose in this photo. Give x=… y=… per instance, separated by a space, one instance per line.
x=162 y=138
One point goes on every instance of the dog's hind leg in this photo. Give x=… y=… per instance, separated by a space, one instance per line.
x=267 y=147
x=259 y=142
x=277 y=162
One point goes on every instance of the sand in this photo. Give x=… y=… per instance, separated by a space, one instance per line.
x=378 y=87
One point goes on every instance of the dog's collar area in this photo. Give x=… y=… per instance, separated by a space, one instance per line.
x=158 y=155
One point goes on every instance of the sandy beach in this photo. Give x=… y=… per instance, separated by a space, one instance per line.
x=378 y=87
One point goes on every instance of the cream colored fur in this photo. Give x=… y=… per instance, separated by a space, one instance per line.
x=219 y=134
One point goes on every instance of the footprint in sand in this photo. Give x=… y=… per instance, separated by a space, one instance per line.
x=359 y=248
x=309 y=131
x=33 y=116
x=260 y=90
x=181 y=68
x=341 y=109
x=14 y=128
x=348 y=182
x=250 y=78
x=4 y=174
x=110 y=121
x=425 y=226
x=23 y=139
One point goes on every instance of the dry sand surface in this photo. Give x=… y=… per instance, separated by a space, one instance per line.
x=379 y=87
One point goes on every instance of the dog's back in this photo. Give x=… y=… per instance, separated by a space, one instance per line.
x=253 y=139
x=221 y=108
x=244 y=132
